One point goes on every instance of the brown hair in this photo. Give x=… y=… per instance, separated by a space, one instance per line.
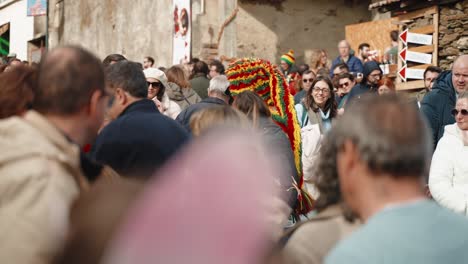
x=387 y=82
x=176 y=74
x=217 y=116
x=252 y=105
x=329 y=105
x=67 y=78
x=17 y=90
x=326 y=177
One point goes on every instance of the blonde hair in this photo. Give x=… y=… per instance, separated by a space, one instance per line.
x=315 y=59
x=224 y=116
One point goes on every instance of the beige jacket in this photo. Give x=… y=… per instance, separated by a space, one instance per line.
x=312 y=240
x=40 y=177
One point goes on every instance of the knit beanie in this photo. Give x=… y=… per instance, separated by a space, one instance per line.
x=289 y=57
x=369 y=67
x=265 y=79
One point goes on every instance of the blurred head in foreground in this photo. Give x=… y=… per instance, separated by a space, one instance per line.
x=192 y=212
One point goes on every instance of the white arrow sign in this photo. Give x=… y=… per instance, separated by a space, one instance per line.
x=419 y=57
x=407 y=73
x=413 y=56
x=408 y=37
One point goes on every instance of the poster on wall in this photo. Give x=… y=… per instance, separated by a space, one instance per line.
x=181 y=12
x=37 y=7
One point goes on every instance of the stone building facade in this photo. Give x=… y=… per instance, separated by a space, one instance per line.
x=144 y=27
x=453 y=33
x=453 y=26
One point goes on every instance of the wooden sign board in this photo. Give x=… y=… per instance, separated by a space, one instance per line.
x=415 y=38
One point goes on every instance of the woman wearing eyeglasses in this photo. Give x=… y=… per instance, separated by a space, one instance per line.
x=157 y=82
x=315 y=114
x=318 y=106
x=448 y=178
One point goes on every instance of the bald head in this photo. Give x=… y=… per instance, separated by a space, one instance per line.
x=460 y=74
x=343 y=43
x=68 y=76
x=343 y=48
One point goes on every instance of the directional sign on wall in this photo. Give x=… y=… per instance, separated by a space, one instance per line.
x=407 y=73
x=407 y=55
x=408 y=37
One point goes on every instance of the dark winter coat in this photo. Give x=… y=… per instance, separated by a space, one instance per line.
x=184 y=117
x=364 y=87
x=437 y=105
x=275 y=137
x=139 y=141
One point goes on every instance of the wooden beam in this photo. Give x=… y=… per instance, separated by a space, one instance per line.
x=435 y=38
x=429 y=29
x=422 y=66
x=410 y=85
x=423 y=49
x=419 y=13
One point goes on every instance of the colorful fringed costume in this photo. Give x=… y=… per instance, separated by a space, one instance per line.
x=265 y=79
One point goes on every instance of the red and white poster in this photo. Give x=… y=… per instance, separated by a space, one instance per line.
x=182 y=31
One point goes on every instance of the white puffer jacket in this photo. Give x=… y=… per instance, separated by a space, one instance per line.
x=169 y=107
x=448 y=178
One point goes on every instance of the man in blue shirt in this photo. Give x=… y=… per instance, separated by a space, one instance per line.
x=382 y=157
x=354 y=64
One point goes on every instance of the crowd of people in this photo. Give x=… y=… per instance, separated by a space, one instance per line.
x=117 y=161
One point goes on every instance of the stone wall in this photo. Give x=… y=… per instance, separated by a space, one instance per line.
x=453 y=33
x=268 y=32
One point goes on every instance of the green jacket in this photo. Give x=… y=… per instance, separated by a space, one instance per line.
x=200 y=85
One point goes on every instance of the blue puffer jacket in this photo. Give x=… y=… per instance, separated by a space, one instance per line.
x=354 y=64
x=437 y=105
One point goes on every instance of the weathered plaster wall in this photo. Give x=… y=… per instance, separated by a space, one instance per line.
x=302 y=24
x=143 y=27
x=133 y=28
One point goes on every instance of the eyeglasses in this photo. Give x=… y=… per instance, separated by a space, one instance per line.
x=307 y=80
x=154 y=85
x=323 y=90
x=346 y=84
x=455 y=112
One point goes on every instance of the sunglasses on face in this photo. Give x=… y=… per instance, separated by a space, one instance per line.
x=307 y=80
x=455 y=112
x=154 y=84
x=346 y=84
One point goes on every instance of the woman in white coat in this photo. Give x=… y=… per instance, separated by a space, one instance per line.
x=448 y=178
x=157 y=83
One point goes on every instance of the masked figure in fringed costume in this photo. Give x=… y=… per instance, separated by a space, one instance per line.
x=266 y=80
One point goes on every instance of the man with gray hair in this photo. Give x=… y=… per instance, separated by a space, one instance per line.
x=354 y=64
x=217 y=95
x=383 y=156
